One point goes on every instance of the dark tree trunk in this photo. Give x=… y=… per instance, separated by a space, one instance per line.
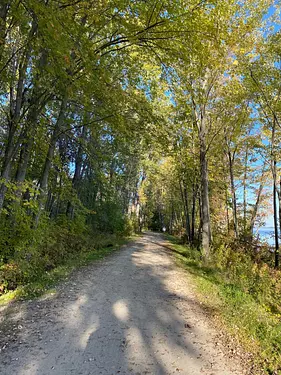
x=37 y=102
x=275 y=217
x=275 y=212
x=206 y=223
x=186 y=211
x=233 y=194
x=12 y=144
x=193 y=212
x=78 y=171
x=245 y=192
x=4 y=8
x=257 y=204
x=43 y=183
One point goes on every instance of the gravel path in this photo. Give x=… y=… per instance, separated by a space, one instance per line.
x=132 y=313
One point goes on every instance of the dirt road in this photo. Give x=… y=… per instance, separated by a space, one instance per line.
x=132 y=313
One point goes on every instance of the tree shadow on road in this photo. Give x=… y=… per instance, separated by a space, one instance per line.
x=115 y=317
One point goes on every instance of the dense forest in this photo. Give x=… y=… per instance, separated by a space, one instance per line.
x=122 y=116
x=118 y=116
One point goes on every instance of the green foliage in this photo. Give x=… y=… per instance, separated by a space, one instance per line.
x=54 y=245
x=109 y=218
x=245 y=294
x=119 y=116
x=98 y=247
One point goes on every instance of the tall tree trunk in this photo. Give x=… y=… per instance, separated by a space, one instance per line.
x=233 y=193
x=12 y=145
x=37 y=102
x=186 y=210
x=171 y=224
x=188 y=232
x=245 y=175
x=4 y=8
x=78 y=170
x=227 y=211
x=275 y=216
x=43 y=183
x=279 y=201
x=206 y=223
x=257 y=203
x=274 y=175
x=193 y=212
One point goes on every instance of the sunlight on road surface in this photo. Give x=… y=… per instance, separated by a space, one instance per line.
x=163 y=316
x=32 y=368
x=137 y=350
x=89 y=331
x=143 y=320
x=120 y=310
x=74 y=311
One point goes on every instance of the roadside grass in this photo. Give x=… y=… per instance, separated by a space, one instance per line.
x=46 y=281
x=247 y=318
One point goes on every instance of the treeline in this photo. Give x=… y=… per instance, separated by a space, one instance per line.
x=75 y=120
x=220 y=178
x=122 y=115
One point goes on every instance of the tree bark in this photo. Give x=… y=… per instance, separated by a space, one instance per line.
x=4 y=8
x=233 y=193
x=186 y=210
x=206 y=223
x=245 y=191
x=37 y=102
x=275 y=216
x=193 y=212
x=12 y=145
x=78 y=171
x=256 y=206
x=43 y=183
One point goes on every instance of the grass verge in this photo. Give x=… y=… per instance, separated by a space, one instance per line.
x=46 y=281
x=248 y=319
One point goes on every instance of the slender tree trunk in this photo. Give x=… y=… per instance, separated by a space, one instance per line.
x=275 y=216
x=187 y=220
x=255 y=210
x=12 y=145
x=6 y=170
x=4 y=8
x=186 y=210
x=199 y=233
x=78 y=171
x=206 y=223
x=279 y=201
x=193 y=212
x=171 y=224
x=257 y=204
x=233 y=193
x=43 y=183
x=37 y=103
x=227 y=211
x=245 y=191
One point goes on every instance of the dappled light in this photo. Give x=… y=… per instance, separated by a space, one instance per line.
x=103 y=321
x=120 y=310
x=156 y=125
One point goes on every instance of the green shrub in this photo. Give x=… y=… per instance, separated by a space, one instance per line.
x=246 y=292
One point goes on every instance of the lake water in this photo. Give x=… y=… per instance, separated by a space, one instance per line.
x=266 y=234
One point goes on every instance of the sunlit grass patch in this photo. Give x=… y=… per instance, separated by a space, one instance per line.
x=247 y=315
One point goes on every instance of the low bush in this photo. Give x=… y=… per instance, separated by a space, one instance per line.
x=27 y=253
x=245 y=293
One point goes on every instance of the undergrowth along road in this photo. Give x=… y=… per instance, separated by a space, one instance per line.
x=132 y=313
x=252 y=327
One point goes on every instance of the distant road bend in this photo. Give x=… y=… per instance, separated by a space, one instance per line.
x=133 y=313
